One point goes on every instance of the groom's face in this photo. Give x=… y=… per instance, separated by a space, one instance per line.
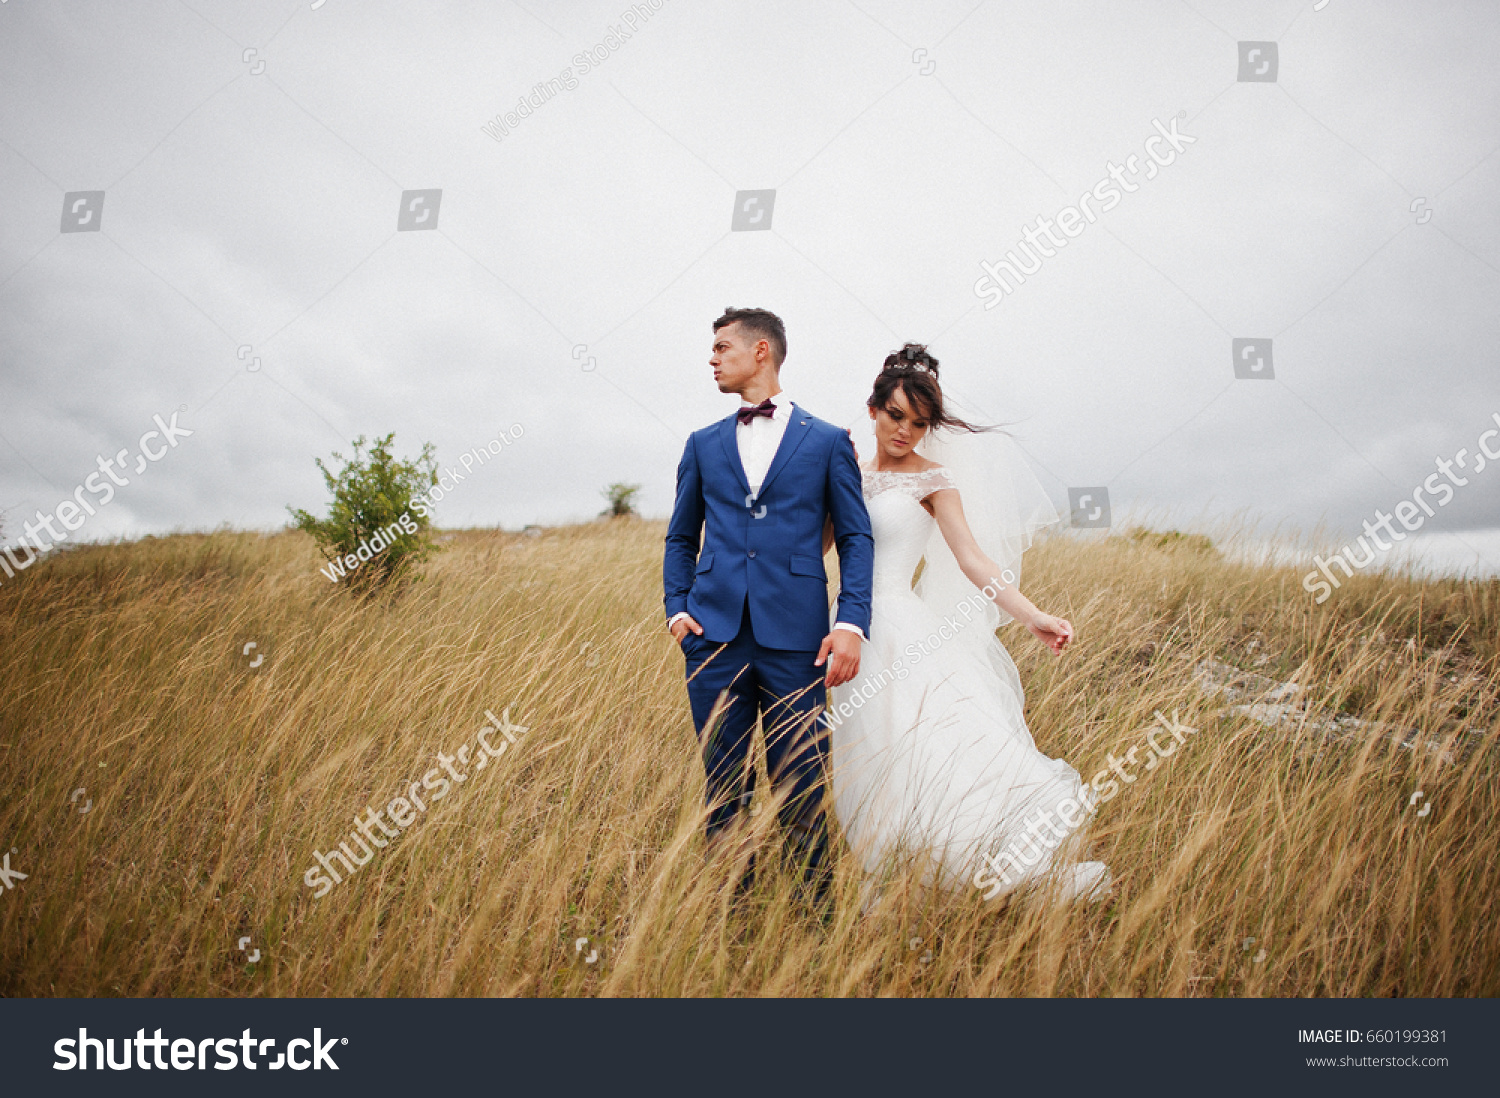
x=735 y=359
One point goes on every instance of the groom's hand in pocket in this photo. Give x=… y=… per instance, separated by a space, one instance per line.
x=841 y=649
x=682 y=626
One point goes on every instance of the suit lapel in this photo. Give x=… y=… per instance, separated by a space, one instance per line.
x=791 y=438
x=732 y=450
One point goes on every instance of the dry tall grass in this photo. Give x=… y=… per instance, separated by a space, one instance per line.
x=211 y=786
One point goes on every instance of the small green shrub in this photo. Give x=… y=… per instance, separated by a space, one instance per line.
x=621 y=499
x=375 y=499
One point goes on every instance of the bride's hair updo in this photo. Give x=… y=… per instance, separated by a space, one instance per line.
x=914 y=371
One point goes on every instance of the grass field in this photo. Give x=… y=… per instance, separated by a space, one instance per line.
x=208 y=784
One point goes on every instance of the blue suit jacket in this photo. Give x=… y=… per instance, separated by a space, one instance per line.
x=768 y=549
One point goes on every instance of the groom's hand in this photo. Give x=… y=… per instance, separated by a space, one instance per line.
x=844 y=662
x=682 y=625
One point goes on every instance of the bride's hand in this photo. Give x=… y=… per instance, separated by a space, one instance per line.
x=1055 y=633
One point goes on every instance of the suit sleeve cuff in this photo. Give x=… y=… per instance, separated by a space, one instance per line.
x=852 y=629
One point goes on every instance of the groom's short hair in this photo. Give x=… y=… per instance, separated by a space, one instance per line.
x=761 y=324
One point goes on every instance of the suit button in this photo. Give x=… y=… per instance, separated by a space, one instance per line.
x=752 y=552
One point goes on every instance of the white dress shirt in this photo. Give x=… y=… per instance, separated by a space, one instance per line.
x=758 y=442
x=759 y=439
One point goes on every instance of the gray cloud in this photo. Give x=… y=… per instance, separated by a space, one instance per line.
x=906 y=144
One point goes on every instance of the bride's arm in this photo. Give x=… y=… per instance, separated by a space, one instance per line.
x=981 y=571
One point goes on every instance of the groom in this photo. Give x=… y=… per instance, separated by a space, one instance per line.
x=750 y=611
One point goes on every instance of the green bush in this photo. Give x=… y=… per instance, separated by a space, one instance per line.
x=621 y=500
x=374 y=494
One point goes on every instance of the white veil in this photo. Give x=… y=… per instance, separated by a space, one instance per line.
x=1004 y=504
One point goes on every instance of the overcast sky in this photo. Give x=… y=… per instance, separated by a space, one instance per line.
x=247 y=270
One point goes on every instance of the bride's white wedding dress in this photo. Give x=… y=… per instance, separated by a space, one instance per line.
x=930 y=747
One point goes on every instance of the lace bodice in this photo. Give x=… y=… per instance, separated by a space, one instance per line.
x=918 y=485
x=900 y=523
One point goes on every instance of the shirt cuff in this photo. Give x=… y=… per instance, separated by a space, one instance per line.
x=852 y=629
x=673 y=619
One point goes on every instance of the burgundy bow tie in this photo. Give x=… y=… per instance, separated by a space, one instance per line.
x=764 y=408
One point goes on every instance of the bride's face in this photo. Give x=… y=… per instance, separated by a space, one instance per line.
x=898 y=427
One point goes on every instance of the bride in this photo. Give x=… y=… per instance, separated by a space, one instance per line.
x=943 y=764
